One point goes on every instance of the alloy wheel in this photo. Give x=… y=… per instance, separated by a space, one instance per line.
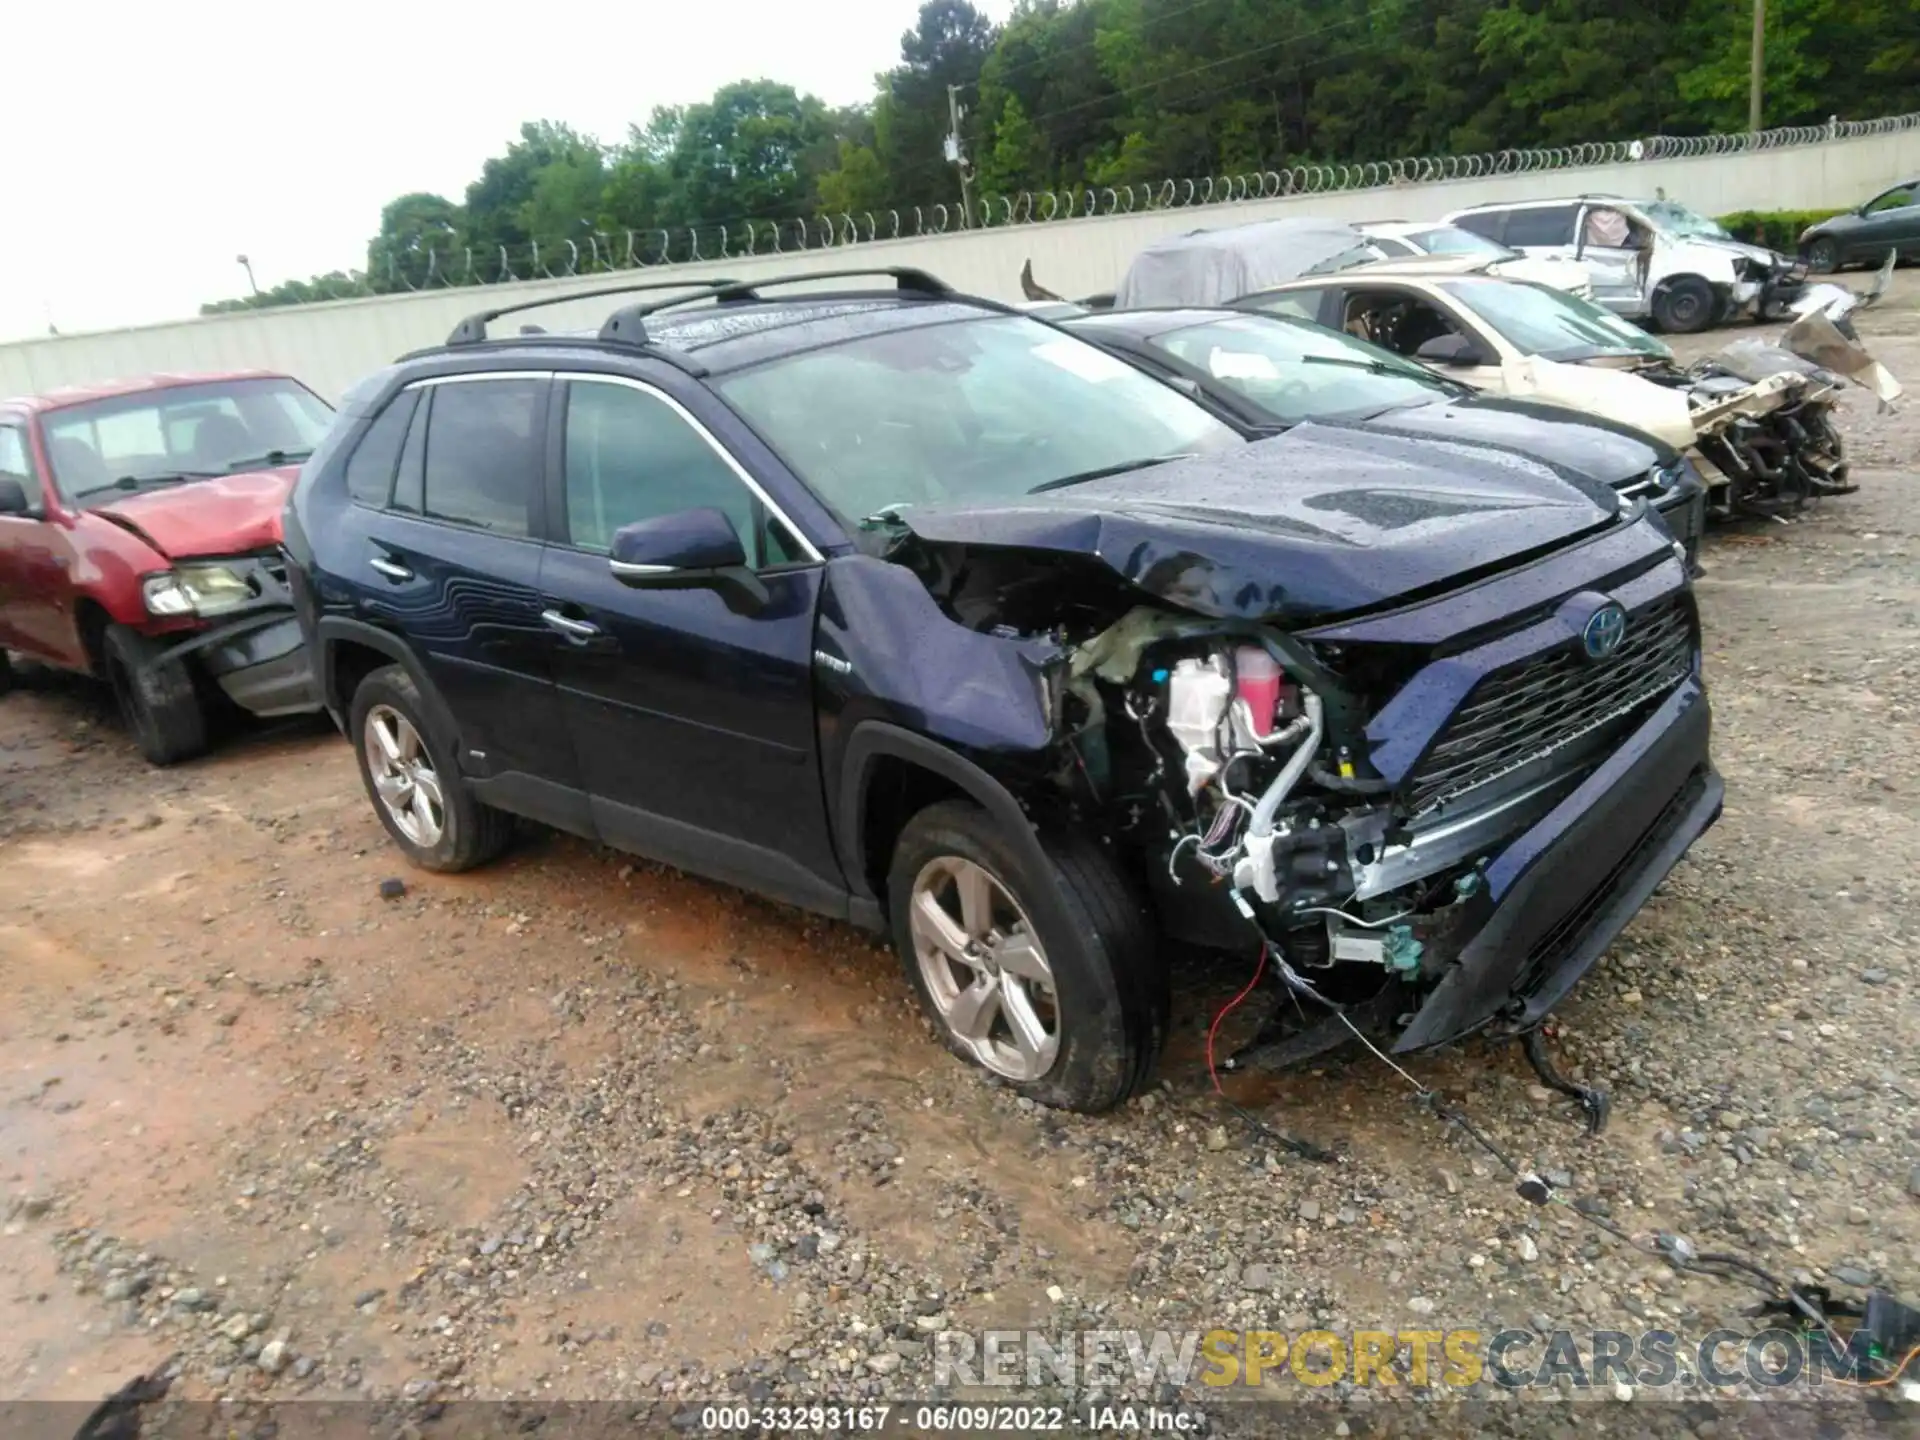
x=404 y=777
x=985 y=969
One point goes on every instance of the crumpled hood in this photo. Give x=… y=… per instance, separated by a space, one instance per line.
x=1736 y=247
x=1578 y=447
x=1321 y=521
x=229 y=515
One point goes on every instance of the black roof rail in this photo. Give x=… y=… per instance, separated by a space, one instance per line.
x=627 y=325
x=906 y=277
x=473 y=329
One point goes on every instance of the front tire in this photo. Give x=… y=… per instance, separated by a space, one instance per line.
x=1073 y=1020
x=157 y=699
x=6 y=672
x=417 y=791
x=1685 y=307
x=1823 y=256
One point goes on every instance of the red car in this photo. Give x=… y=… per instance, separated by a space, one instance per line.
x=140 y=544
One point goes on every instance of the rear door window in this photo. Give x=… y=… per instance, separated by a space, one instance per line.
x=482 y=461
x=1541 y=225
x=1488 y=223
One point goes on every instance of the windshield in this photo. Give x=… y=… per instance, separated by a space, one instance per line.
x=1677 y=219
x=182 y=432
x=1294 y=371
x=1452 y=240
x=1552 y=323
x=965 y=410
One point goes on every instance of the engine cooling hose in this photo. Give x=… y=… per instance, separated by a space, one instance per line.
x=1341 y=784
x=1290 y=773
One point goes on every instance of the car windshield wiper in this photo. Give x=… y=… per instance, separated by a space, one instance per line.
x=1372 y=367
x=1104 y=471
x=134 y=482
x=270 y=460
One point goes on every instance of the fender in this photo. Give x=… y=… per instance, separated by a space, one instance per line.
x=334 y=629
x=872 y=739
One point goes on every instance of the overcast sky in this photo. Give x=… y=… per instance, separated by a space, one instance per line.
x=149 y=145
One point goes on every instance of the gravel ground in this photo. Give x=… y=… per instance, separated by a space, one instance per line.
x=578 y=1128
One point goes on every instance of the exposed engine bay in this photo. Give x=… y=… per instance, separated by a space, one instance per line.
x=1230 y=760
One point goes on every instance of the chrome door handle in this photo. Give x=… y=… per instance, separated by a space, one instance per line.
x=389 y=569
x=572 y=629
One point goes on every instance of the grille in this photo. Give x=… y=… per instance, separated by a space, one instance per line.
x=1527 y=711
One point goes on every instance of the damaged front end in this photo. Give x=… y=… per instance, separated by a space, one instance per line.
x=1763 y=415
x=1432 y=819
x=246 y=636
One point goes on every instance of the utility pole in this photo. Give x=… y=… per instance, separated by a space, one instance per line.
x=958 y=156
x=1757 y=73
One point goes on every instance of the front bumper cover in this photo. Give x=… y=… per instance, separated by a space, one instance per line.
x=260 y=660
x=1564 y=890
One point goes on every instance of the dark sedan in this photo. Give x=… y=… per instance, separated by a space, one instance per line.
x=1888 y=222
x=1267 y=373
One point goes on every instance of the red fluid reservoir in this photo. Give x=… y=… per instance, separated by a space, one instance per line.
x=1258 y=676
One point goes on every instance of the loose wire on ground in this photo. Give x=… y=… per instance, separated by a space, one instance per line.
x=1304 y=1148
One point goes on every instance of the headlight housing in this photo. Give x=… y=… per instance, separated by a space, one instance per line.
x=202 y=590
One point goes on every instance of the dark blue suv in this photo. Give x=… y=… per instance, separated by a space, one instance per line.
x=913 y=610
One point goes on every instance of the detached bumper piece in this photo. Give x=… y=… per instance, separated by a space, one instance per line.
x=260 y=661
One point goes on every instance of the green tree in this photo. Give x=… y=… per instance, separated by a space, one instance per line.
x=502 y=202
x=419 y=239
x=948 y=45
x=1018 y=154
x=858 y=184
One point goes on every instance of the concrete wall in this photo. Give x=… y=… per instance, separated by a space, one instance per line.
x=332 y=345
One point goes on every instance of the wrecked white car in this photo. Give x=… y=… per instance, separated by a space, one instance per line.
x=1761 y=425
x=1652 y=260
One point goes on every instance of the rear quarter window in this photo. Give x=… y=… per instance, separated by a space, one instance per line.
x=370 y=469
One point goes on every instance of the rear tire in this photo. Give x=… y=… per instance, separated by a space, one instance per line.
x=1823 y=256
x=1685 y=307
x=158 y=701
x=416 y=789
x=1101 y=1009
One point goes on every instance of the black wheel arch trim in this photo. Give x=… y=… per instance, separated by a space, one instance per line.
x=873 y=740
x=333 y=630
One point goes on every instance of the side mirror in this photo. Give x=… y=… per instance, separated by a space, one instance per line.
x=1452 y=349
x=13 y=497
x=689 y=549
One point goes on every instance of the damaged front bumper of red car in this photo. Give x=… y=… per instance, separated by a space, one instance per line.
x=254 y=651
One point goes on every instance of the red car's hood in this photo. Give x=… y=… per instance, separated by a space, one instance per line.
x=230 y=515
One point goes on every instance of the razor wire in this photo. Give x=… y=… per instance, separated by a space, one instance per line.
x=605 y=252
